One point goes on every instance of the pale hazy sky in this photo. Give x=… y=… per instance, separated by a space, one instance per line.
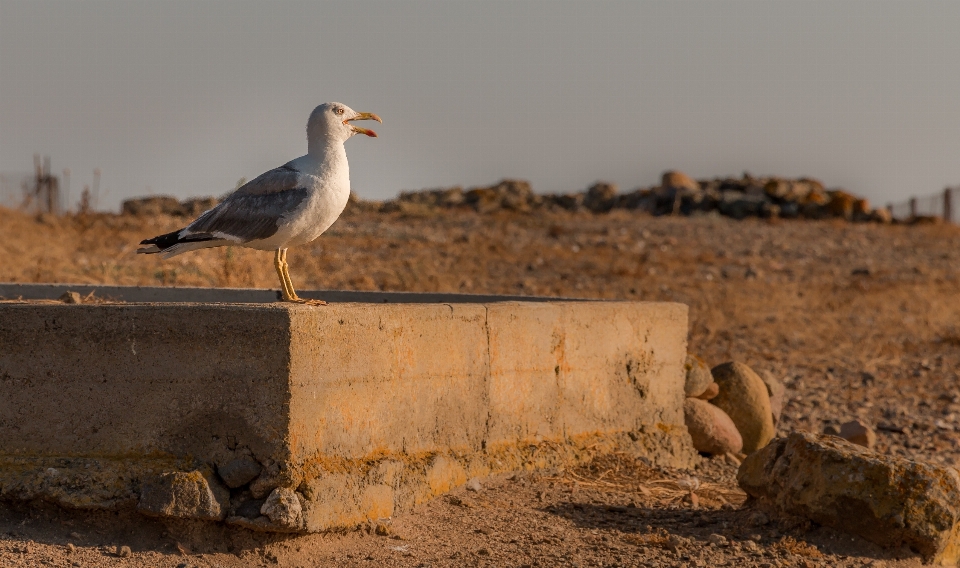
x=185 y=97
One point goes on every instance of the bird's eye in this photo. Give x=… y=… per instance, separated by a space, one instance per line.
x=339 y=111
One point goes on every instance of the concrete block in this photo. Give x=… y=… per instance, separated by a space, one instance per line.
x=359 y=410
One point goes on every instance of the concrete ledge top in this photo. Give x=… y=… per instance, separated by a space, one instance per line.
x=167 y=294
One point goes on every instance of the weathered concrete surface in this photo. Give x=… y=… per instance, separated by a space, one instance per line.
x=359 y=410
x=15 y=291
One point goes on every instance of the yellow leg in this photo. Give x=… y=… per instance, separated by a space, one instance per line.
x=288 y=283
x=285 y=289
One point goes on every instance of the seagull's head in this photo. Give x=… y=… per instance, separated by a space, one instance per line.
x=332 y=120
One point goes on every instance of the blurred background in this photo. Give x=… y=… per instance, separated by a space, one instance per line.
x=184 y=98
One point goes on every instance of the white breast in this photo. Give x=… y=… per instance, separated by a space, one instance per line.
x=329 y=183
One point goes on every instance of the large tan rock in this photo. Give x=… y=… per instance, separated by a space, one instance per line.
x=713 y=389
x=777 y=392
x=711 y=429
x=679 y=180
x=698 y=376
x=887 y=500
x=743 y=396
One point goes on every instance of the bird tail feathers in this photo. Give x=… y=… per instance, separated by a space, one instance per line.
x=172 y=244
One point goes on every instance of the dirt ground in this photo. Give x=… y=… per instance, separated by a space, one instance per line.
x=858 y=320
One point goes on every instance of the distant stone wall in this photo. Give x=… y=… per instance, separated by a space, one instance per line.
x=677 y=194
x=166 y=205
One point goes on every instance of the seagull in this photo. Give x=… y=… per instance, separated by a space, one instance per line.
x=286 y=206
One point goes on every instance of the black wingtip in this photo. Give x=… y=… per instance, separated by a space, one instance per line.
x=163 y=242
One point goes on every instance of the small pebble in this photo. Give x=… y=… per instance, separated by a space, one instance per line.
x=758 y=519
x=859 y=433
x=717 y=539
x=124 y=551
x=71 y=298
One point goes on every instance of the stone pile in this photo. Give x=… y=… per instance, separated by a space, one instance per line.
x=729 y=409
x=677 y=194
x=166 y=205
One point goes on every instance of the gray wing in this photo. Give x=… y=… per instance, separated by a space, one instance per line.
x=253 y=211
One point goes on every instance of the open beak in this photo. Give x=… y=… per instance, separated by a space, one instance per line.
x=363 y=116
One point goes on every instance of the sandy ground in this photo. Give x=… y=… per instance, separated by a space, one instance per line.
x=859 y=321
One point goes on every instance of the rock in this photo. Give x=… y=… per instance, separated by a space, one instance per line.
x=678 y=180
x=769 y=211
x=465 y=503
x=741 y=205
x=382 y=529
x=743 y=396
x=283 y=508
x=841 y=204
x=713 y=432
x=758 y=519
x=515 y=195
x=881 y=216
x=474 y=485
x=250 y=509
x=71 y=298
x=184 y=495
x=641 y=199
x=717 y=539
x=601 y=197
x=813 y=211
x=151 y=206
x=776 y=391
x=272 y=477
x=239 y=472
x=483 y=199
x=569 y=201
x=888 y=500
x=712 y=390
x=831 y=430
x=698 y=376
x=858 y=433
x=124 y=552
x=166 y=205
x=789 y=210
